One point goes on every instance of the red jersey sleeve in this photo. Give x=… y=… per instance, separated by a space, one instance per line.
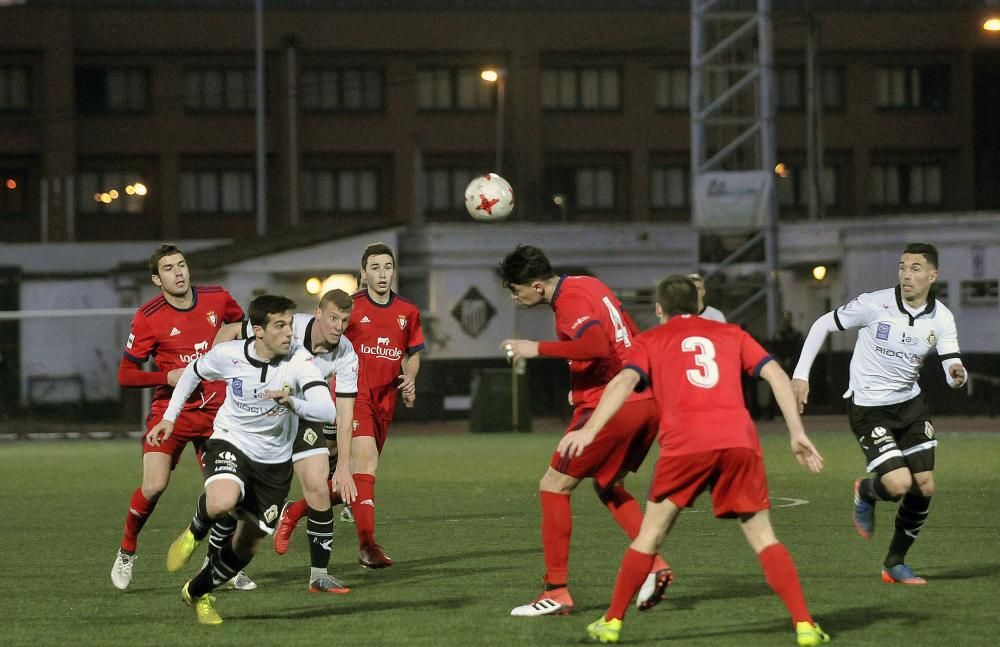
x=141 y=341
x=415 y=343
x=590 y=344
x=637 y=359
x=231 y=312
x=573 y=316
x=752 y=355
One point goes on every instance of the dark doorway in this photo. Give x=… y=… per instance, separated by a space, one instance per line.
x=10 y=341
x=986 y=127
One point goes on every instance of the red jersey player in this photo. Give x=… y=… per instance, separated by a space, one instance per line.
x=594 y=333
x=174 y=328
x=707 y=441
x=385 y=331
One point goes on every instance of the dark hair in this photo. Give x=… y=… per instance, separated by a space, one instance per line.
x=340 y=299
x=166 y=249
x=928 y=251
x=374 y=250
x=525 y=264
x=677 y=295
x=268 y=304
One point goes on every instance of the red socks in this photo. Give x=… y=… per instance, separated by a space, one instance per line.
x=335 y=498
x=557 y=526
x=139 y=509
x=632 y=573
x=624 y=509
x=364 y=509
x=779 y=571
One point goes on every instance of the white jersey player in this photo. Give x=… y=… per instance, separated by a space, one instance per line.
x=898 y=329
x=248 y=458
x=314 y=457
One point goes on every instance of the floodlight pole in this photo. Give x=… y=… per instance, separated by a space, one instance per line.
x=261 y=138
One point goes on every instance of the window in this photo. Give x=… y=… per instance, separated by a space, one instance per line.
x=15 y=88
x=906 y=184
x=923 y=87
x=669 y=188
x=581 y=88
x=220 y=89
x=980 y=293
x=793 y=190
x=446 y=187
x=105 y=192
x=582 y=189
x=229 y=191
x=672 y=91
x=789 y=83
x=112 y=90
x=336 y=191
x=832 y=87
x=790 y=87
x=13 y=193
x=346 y=89
x=454 y=88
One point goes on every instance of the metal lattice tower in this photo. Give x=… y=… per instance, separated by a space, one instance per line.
x=732 y=115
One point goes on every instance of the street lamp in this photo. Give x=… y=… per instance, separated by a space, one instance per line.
x=496 y=75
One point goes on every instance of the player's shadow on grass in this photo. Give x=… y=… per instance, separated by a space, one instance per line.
x=323 y=611
x=965 y=573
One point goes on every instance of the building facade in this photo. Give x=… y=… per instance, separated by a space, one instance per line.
x=376 y=110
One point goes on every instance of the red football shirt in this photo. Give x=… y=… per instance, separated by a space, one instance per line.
x=175 y=338
x=580 y=302
x=382 y=335
x=694 y=367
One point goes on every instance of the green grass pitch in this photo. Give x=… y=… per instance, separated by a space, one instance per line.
x=459 y=513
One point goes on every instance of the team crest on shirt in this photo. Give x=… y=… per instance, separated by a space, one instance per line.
x=402 y=321
x=212 y=318
x=271 y=514
x=882 y=332
x=931 y=338
x=309 y=436
x=928 y=429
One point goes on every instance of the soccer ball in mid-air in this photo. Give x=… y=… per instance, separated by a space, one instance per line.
x=489 y=198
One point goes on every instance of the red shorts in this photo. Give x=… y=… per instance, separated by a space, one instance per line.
x=369 y=423
x=735 y=476
x=621 y=445
x=193 y=426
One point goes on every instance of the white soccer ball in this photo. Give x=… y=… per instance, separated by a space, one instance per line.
x=489 y=198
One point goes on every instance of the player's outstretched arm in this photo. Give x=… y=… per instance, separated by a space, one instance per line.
x=810 y=349
x=228 y=332
x=805 y=453
x=614 y=396
x=342 y=479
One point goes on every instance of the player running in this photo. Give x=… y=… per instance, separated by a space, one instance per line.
x=707 y=440
x=594 y=335
x=174 y=329
x=248 y=467
x=385 y=331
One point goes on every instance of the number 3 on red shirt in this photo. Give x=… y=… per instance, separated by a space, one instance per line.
x=706 y=375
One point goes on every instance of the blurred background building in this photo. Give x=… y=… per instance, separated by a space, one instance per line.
x=123 y=124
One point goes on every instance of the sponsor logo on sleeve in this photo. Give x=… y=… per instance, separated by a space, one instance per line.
x=131 y=340
x=882 y=332
x=576 y=324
